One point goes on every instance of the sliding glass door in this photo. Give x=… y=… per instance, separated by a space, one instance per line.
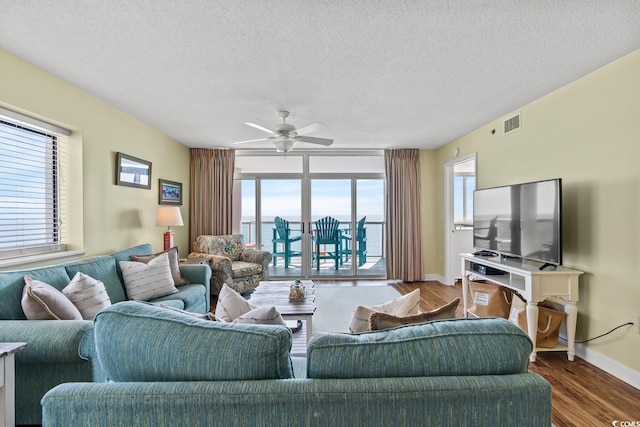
x=281 y=219
x=291 y=204
x=331 y=218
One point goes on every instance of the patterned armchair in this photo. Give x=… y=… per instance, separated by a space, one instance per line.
x=231 y=263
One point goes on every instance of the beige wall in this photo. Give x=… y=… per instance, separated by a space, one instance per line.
x=588 y=134
x=112 y=217
x=432 y=215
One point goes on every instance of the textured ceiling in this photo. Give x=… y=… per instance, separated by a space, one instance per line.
x=379 y=74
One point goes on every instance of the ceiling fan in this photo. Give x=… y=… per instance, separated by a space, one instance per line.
x=285 y=135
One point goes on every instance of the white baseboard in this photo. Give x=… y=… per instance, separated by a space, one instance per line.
x=607 y=364
x=434 y=278
x=613 y=367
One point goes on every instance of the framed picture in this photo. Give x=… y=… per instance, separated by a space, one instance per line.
x=170 y=192
x=132 y=172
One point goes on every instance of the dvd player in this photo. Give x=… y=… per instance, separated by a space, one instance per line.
x=483 y=269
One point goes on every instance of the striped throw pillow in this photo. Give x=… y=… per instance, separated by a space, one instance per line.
x=89 y=295
x=144 y=282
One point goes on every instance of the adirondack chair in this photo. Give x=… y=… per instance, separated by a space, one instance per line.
x=282 y=241
x=360 y=242
x=327 y=234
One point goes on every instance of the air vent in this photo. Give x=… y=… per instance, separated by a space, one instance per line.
x=512 y=124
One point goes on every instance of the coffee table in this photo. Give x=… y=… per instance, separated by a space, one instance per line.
x=276 y=294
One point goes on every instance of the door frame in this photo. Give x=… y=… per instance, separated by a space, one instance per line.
x=448 y=211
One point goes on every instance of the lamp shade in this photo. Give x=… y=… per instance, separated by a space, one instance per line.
x=169 y=216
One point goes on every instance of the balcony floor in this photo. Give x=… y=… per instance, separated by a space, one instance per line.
x=373 y=268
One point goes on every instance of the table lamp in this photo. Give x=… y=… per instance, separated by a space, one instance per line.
x=169 y=216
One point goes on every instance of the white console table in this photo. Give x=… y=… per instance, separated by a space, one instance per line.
x=534 y=285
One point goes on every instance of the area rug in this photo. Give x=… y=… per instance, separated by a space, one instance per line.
x=335 y=304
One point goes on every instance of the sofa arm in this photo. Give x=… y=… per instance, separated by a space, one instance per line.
x=220 y=265
x=196 y=274
x=258 y=257
x=50 y=341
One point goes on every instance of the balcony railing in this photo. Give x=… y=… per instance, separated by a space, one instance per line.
x=375 y=235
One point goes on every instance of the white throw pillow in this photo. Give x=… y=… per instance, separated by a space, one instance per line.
x=405 y=305
x=261 y=316
x=89 y=295
x=144 y=282
x=360 y=319
x=231 y=305
x=41 y=301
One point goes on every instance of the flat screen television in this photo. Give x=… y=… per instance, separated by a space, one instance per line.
x=520 y=220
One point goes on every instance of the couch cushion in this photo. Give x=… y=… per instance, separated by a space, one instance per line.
x=101 y=268
x=41 y=301
x=487 y=346
x=189 y=295
x=12 y=284
x=163 y=345
x=87 y=294
x=245 y=269
x=173 y=303
x=147 y=281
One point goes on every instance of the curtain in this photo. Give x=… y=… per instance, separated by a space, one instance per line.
x=211 y=192
x=404 y=244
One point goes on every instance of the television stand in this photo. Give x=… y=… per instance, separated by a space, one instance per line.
x=535 y=285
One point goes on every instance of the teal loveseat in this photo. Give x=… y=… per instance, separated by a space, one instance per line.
x=460 y=372
x=62 y=351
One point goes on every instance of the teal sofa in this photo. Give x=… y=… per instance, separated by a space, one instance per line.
x=462 y=372
x=61 y=351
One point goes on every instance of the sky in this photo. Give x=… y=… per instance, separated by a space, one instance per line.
x=330 y=197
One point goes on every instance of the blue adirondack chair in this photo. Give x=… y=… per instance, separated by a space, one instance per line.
x=327 y=234
x=360 y=243
x=282 y=240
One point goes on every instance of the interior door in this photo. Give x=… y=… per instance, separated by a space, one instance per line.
x=460 y=182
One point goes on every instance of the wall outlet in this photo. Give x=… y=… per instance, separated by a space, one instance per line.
x=636 y=324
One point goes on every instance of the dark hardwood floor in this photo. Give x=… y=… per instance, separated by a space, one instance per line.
x=583 y=395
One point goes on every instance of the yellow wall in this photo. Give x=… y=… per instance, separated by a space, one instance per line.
x=430 y=170
x=113 y=217
x=588 y=134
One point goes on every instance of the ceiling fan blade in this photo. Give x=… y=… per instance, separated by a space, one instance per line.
x=314 y=127
x=313 y=140
x=257 y=126
x=253 y=140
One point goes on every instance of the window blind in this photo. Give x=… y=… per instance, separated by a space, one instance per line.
x=33 y=196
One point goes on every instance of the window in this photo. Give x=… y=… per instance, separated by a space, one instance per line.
x=32 y=197
x=303 y=187
x=463 y=186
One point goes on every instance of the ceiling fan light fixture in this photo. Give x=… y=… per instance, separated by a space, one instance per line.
x=284 y=145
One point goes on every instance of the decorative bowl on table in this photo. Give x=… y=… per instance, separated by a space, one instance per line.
x=297 y=291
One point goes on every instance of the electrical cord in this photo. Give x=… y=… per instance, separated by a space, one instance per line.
x=606 y=333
